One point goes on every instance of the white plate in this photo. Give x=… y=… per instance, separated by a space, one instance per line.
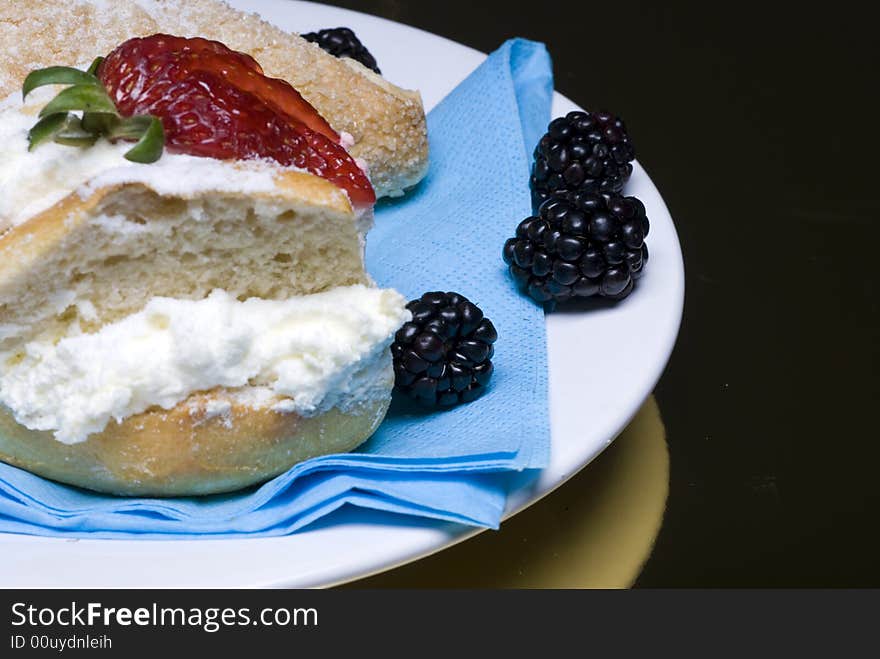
x=603 y=364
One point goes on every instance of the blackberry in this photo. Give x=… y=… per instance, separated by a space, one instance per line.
x=443 y=356
x=582 y=152
x=580 y=245
x=343 y=42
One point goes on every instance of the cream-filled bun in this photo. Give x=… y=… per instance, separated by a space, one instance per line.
x=183 y=327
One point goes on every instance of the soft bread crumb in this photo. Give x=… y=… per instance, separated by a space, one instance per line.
x=98 y=260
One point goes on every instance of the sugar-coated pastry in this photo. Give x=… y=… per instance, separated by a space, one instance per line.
x=386 y=123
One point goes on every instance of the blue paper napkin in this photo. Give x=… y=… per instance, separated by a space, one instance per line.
x=445 y=235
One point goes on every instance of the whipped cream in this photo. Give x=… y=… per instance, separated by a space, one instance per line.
x=33 y=181
x=315 y=352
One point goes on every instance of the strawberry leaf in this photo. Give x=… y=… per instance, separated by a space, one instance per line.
x=93 y=67
x=62 y=128
x=85 y=97
x=151 y=136
x=57 y=75
x=73 y=134
x=46 y=129
x=100 y=117
x=100 y=123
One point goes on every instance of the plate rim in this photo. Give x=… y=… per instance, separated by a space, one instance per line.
x=450 y=534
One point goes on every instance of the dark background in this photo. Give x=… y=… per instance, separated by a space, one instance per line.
x=759 y=126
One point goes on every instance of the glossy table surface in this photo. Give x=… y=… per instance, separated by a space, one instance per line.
x=758 y=125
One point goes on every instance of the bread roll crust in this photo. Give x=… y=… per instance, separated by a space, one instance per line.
x=186 y=450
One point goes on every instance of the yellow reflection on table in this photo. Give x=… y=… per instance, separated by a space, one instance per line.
x=596 y=531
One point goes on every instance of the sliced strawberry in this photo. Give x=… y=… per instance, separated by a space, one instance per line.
x=213 y=103
x=273 y=91
x=200 y=44
x=142 y=48
x=137 y=57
